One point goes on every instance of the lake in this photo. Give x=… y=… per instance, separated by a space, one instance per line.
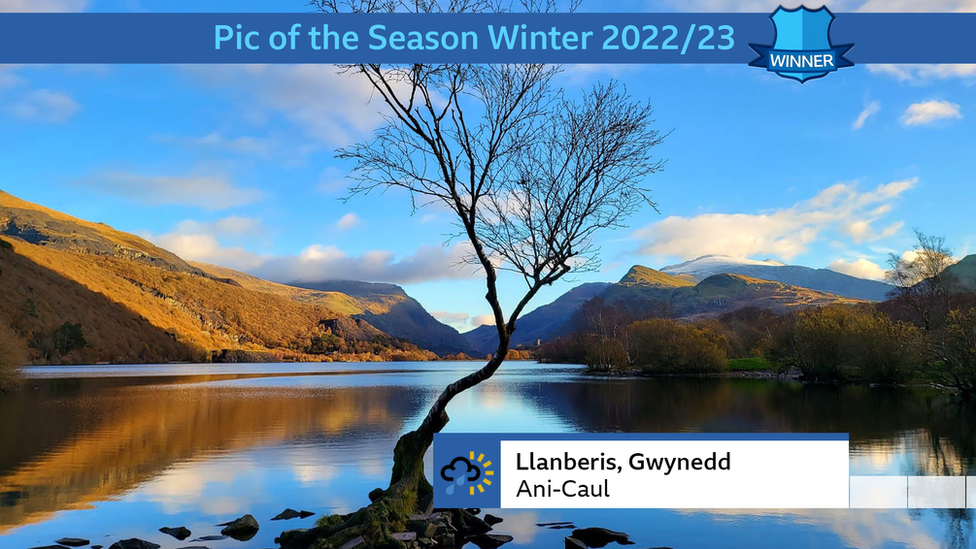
x=110 y=452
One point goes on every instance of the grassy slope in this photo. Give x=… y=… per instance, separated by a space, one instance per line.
x=726 y=292
x=334 y=301
x=122 y=304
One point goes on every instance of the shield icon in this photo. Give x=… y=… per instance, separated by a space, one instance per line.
x=802 y=31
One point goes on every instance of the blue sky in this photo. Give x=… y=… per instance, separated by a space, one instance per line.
x=234 y=165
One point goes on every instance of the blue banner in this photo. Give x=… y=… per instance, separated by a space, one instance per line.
x=708 y=38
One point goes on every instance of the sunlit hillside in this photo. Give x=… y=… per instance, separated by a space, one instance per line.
x=76 y=291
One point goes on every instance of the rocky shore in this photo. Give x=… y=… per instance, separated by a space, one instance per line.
x=435 y=529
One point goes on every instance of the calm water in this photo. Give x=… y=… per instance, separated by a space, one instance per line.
x=113 y=452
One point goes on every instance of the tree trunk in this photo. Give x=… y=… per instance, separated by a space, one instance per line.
x=408 y=485
x=408 y=456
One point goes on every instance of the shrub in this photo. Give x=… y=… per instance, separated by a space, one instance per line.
x=13 y=354
x=605 y=354
x=954 y=349
x=68 y=337
x=852 y=342
x=666 y=346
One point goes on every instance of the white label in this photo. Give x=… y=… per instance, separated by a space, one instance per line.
x=653 y=474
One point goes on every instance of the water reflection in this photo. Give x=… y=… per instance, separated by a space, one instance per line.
x=122 y=456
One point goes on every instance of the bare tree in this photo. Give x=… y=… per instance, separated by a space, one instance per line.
x=530 y=176
x=922 y=282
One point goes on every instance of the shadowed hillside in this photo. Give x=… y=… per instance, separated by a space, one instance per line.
x=390 y=309
x=538 y=324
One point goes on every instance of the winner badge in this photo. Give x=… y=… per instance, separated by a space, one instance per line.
x=802 y=49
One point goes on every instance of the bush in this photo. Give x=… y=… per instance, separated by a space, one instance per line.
x=666 y=346
x=13 y=354
x=605 y=354
x=954 y=350
x=848 y=342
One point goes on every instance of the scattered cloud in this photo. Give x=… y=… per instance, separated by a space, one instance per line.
x=246 y=145
x=348 y=221
x=47 y=6
x=9 y=78
x=200 y=241
x=861 y=268
x=459 y=321
x=332 y=108
x=927 y=112
x=207 y=191
x=463 y=322
x=206 y=248
x=923 y=73
x=869 y=111
x=482 y=320
x=327 y=262
x=232 y=226
x=785 y=233
x=46 y=106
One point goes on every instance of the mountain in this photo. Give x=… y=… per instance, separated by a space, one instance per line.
x=81 y=292
x=724 y=293
x=646 y=284
x=964 y=273
x=647 y=292
x=538 y=324
x=823 y=280
x=390 y=309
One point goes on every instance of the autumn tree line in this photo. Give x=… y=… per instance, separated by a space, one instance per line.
x=924 y=333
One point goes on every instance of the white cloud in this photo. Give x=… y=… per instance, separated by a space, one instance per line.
x=205 y=248
x=246 y=145
x=924 y=73
x=8 y=76
x=199 y=241
x=482 y=320
x=870 y=110
x=784 y=233
x=47 y=6
x=861 y=268
x=47 y=106
x=208 y=191
x=233 y=225
x=927 y=112
x=348 y=221
x=459 y=321
x=334 y=109
x=327 y=262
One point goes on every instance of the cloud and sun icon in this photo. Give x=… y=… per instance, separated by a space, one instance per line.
x=467 y=470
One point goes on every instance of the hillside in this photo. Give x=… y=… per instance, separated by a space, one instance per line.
x=724 y=293
x=823 y=280
x=79 y=292
x=390 y=309
x=644 y=283
x=538 y=324
x=964 y=273
x=42 y=226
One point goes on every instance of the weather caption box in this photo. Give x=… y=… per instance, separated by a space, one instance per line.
x=642 y=471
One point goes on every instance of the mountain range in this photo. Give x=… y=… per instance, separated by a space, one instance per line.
x=680 y=294
x=65 y=280
x=823 y=280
